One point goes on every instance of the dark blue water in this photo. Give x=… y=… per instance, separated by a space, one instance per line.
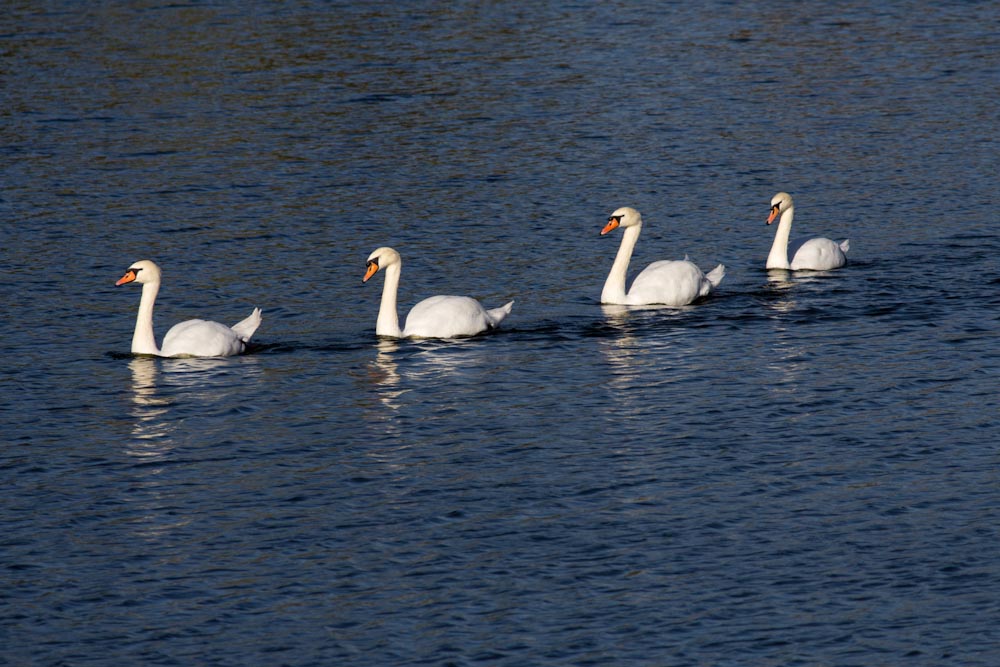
x=800 y=470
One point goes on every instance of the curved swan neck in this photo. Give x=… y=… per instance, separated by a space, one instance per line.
x=778 y=258
x=614 y=286
x=388 y=320
x=143 y=341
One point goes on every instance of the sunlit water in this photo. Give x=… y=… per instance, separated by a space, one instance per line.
x=800 y=470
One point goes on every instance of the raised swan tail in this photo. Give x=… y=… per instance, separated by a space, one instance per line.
x=247 y=327
x=716 y=275
x=845 y=245
x=497 y=315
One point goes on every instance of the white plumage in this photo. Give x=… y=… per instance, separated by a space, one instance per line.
x=435 y=317
x=192 y=338
x=668 y=282
x=818 y=254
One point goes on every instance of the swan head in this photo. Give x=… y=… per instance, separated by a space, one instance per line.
x=780 y=203
x=142 y=272
x=626 y=216
x=380 y=258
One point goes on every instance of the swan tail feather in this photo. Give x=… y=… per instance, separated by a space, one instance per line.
x=716 y=275
x=497 y=315
x=845 y=245
x=246 y=328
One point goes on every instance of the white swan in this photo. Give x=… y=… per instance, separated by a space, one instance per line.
x=434 y=317
x=668 y=282
x=193 y=338
x=818 y=254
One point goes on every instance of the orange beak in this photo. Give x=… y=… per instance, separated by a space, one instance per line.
x=372 y=268
x=611 y=226
x=127 y=278
x=774 y=214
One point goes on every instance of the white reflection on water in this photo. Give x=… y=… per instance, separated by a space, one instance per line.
x=385 y=374
x=621 y=350
x=164 y=393
x=446 y=360
x=616 y=315
x=780 y=286
x=647 y=351
x=788 y=356
x=151 y=427
x=208 y=380
x=151 y=443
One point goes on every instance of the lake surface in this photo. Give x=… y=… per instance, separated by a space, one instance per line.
x=799 y=470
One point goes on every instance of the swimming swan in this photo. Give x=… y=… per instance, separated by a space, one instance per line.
x=668 y=282
x=434 y=317
x=818 y=254
x=193 y=338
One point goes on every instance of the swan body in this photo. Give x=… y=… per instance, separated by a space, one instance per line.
x=435 y=317
x=667 y=282
x=818 y=254
x=192 y=338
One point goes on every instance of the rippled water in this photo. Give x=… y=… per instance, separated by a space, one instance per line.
x=800 y=470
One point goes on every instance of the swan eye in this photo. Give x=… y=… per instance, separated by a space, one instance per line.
x=616 y=218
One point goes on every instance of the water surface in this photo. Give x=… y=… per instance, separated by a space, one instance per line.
x=800 y=470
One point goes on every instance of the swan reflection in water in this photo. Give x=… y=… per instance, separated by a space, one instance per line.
x=163 y=391
x=643 y=358
x=384 y=374
x=151 y=442
x=425 y=360
x=786 y=356
x=160 y=387
x=151 y=428
x=620 y=350
x=638 y=356
x=401 y=366
x=779 y=290
x=656 y=349
x=379 y=401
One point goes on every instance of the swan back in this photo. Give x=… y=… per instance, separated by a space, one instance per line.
x=819 y=254
x=672 y=283
x=446 y=316
x=202 y=338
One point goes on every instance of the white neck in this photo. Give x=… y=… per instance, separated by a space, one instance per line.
x=143 y=341
x=778 y=259
x=388 y=321
x=614 y=286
